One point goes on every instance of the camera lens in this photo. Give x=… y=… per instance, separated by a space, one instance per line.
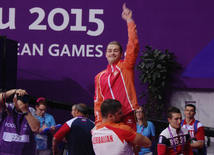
x=25 y=98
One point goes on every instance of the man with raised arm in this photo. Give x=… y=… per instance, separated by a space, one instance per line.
x=17 y=124
x=117 y=81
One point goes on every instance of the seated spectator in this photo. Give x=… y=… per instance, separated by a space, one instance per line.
x=44 y=141
x=17 y=124
x=112 y=137
x=146 y=128
x=77 y=132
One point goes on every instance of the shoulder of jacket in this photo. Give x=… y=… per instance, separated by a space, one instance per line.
x=100 y=73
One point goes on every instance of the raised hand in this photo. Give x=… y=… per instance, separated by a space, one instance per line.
x=126 y=14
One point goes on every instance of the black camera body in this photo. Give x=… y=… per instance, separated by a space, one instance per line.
x=25 y=98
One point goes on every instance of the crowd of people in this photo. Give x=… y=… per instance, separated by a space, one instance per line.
x=120 y=126
x=22 y=130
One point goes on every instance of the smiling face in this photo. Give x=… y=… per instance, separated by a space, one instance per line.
x=113 y=54
x=175 y=120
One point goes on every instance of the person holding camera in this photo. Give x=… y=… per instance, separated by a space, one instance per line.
x=17 y=124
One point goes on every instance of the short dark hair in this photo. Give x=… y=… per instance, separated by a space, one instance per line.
x=82 y=108
x=109 y=106
x=191 y=105
x=172 y=110
x=116 y=43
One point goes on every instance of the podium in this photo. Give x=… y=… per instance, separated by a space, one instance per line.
x=8 y=63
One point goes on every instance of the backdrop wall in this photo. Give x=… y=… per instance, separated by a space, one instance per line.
x=62 y=44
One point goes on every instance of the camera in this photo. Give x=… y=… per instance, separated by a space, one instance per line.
x=25 y=98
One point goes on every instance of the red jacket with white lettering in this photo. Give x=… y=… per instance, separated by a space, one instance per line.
x=117 y=81
x=113 y=138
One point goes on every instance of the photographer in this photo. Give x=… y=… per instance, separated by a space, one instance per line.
x=17 y=124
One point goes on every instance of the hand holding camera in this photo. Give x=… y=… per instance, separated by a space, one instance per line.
x=25 y=98
x=22 y=100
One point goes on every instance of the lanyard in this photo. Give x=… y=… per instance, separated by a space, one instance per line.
x=43 y=122
x=142 y=130
x=174 y=142
x=82 y=116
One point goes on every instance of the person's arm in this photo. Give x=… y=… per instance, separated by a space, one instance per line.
x=200 y=138
x=58 y=136
x=10 y=93
x=55 y=149
x=142 y=141
x=19 y=105
x=42 y=128
x=53 y=124
x=32 y=121
x=98 y=99
x=133 y=43
x=197 y=145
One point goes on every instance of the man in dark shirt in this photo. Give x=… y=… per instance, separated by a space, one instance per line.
x=77 y=132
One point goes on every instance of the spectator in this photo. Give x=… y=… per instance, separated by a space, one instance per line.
x=77 y=132
x=17 y=124
x=196 y=130
x=112 y=137
x=174 y=139
x=117 y=81
x=146 y=128
x=44 y=141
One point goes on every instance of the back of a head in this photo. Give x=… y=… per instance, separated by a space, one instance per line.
x=172 y=110
x=109 y=106
x=82 y=108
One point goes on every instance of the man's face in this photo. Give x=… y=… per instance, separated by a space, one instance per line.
x=73 y=110
x=76 y=113
x=116 y=118
x=175 y=121
x=40 y=110
x=189 y=112
x=113 y=54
